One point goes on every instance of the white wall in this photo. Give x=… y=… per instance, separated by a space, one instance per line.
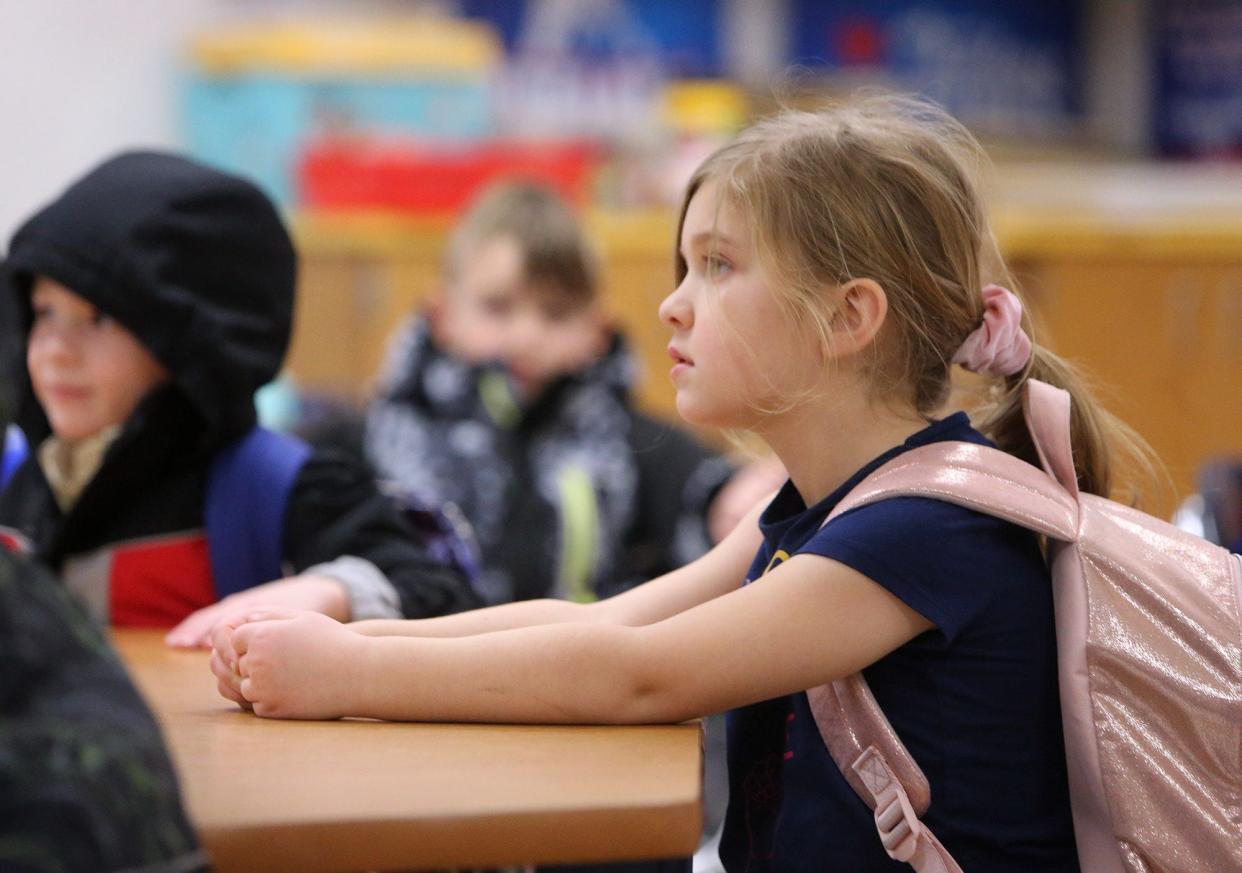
x=80 y=79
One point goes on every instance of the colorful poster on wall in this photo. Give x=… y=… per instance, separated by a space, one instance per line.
x=1198 y=109
x=684 y=34
x=1010 y=68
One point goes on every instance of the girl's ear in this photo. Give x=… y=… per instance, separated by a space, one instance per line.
x=861 y=310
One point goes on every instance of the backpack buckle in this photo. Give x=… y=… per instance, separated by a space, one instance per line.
x=895 y=820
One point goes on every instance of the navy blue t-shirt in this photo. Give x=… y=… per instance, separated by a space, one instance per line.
x=974 y=699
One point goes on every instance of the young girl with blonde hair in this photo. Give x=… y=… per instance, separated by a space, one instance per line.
x=832 y=269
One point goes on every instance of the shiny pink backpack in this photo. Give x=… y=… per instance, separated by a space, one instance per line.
x=1149 y=641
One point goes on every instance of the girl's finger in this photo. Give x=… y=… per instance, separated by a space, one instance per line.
x=222 y=643
x=241 y=639
x=223 y=670
x=234 y=695
x=228 y=691
x=218 y=668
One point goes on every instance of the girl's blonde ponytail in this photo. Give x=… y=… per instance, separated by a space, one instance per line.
x=1098 y=436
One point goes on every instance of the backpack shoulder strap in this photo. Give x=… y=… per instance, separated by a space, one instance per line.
x=15 y=453
x=248 y=488
x=862 y=742
x=977 y=477
x=1047 y=413
x=883 y=774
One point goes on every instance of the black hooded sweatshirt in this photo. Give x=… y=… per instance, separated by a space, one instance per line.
x=198 y=266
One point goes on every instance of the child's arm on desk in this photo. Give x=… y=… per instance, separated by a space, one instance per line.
x=688 y=644
x=810 y=621
x=718 y=571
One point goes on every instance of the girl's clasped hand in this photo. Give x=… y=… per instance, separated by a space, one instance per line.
x=288 y=664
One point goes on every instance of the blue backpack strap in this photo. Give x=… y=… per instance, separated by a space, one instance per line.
x=15 y=452
x=248 y=489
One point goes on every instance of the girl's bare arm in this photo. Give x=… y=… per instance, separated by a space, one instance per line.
x=717 y=572
x=809 y=621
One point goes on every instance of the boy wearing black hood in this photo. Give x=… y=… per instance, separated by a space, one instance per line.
x=156 y=295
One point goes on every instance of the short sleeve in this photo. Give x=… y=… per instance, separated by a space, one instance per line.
x=941 y=560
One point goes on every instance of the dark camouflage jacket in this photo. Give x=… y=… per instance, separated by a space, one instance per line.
x=85 y=783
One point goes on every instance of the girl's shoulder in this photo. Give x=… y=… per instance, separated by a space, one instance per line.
x=948 y=563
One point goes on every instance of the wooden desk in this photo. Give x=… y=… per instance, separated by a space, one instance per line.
x=351 y=795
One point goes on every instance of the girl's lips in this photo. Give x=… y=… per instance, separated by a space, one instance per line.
x=680 y=362
x=678 y=357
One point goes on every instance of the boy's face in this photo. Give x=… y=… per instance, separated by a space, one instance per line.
x=88 y=372
x=494 y=313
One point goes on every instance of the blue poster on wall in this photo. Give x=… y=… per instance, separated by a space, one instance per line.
x=1198 y=111
x=684 y=34
x=1008 y=67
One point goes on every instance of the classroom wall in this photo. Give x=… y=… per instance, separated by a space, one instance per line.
x=84 y=78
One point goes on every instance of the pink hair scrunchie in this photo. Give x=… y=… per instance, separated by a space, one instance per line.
x=999 y=346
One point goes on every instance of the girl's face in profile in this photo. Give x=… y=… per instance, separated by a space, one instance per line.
x=88 y=372
x=735 y=351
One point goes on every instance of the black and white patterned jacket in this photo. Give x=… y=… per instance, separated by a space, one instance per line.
x=576 y=495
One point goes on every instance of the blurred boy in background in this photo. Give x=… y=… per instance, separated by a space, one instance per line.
x=510 y=397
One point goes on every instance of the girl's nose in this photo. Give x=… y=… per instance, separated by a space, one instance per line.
x=675 y=309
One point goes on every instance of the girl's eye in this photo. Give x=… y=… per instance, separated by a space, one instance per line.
x=101 y=319
x=716 y=266
x=41 y=313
